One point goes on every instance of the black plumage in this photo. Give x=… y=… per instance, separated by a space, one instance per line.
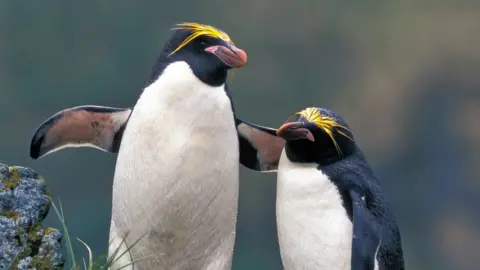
x=206 y=66
x=320 y=136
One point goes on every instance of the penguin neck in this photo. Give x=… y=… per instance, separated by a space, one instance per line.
x=177 y=87
x=204 y=71
x=217 y=77
x=303 y=151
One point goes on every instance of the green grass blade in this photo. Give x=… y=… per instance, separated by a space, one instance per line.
x=90 y=257
x=129 y=247
x=114 y=254
x=68 y=242
x=91 y=265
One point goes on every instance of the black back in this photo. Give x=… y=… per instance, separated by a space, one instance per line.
x=354 y=173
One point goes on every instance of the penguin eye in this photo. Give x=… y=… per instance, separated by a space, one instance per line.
x=203 y=41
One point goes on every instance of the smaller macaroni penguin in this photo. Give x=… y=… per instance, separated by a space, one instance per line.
x=331 y=212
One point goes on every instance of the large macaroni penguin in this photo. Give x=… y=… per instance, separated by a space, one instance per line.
x=331 y=212
x=176 y=178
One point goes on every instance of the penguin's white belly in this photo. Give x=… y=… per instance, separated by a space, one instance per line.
x=313 y=227
x=176 y=177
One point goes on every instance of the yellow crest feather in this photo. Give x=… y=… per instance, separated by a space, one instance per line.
x=200 y=30
x=327 y=123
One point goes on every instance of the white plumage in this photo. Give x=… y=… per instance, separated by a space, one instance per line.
x=313 y=227
x=176 y=176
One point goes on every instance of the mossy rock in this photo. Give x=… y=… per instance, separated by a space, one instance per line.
x=11 y=180
x=24 y=203
x=11 y=214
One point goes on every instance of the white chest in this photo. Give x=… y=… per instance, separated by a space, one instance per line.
x=313 y=227
x=176 y=176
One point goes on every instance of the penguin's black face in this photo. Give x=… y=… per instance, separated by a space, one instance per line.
x=317 y=135
x=207 y=50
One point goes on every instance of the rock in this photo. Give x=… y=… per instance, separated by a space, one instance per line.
x=24 y=203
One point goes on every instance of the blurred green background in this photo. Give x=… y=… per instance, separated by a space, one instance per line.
x=404 y=74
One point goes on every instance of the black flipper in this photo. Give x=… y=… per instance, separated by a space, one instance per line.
x=260 y=147
x=84 y=126
x=366 y=239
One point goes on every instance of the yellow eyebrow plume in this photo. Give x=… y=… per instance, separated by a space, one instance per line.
x=327 y=123
x=200 y=30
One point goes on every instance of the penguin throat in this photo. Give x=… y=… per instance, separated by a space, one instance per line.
x=213 y=76
x=206 y=68
x=303 y=151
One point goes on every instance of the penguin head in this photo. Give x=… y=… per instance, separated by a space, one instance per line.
x=208 y=51
x=317 y=135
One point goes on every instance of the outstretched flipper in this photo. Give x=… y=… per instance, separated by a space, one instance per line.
x=84 y=126
x=366 y=239
x=260 y=147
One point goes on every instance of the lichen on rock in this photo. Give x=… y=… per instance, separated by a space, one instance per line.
x=24 y=203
